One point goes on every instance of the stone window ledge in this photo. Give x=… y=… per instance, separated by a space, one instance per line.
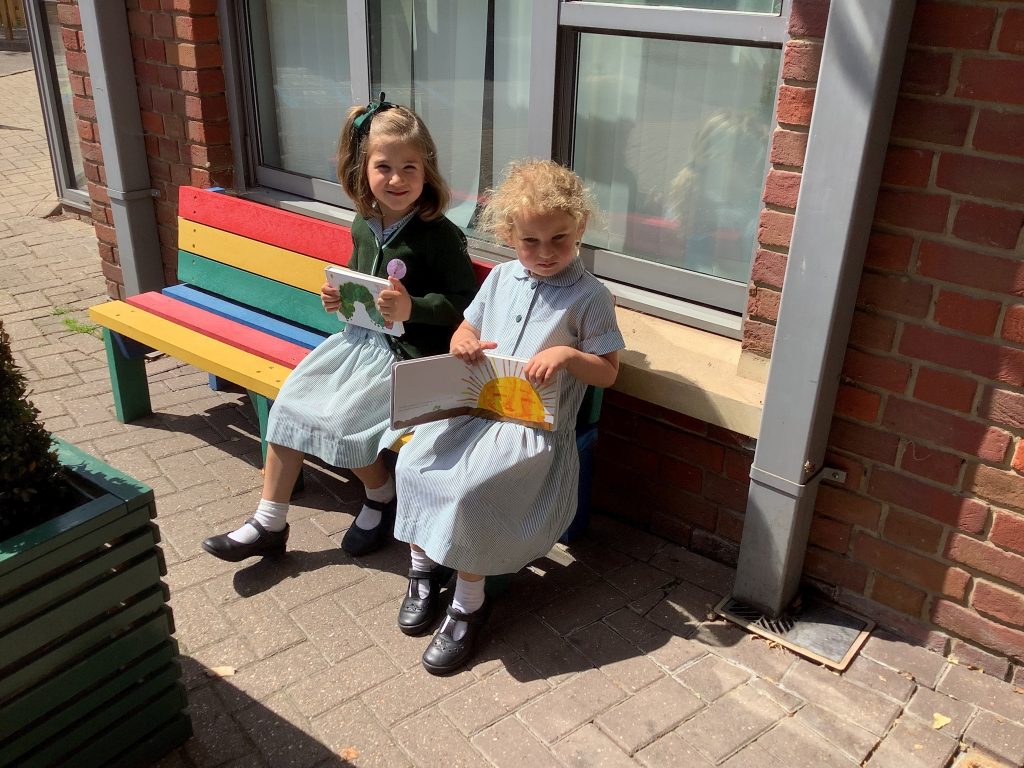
x=690 y=371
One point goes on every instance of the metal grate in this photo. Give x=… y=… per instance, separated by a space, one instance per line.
x=780 y=625
x=822 y=631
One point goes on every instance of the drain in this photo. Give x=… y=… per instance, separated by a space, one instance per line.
x=819 y=630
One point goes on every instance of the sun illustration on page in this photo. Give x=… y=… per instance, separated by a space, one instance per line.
x=498 y=386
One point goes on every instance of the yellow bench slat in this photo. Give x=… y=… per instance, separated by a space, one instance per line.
x=280 y=264
x=216 y=357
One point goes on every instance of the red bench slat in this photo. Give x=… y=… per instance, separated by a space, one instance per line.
x=312 y=237
x=228 y=331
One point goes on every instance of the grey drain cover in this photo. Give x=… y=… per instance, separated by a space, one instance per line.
x=822 y=631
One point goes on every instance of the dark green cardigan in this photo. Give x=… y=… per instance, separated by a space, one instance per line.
x=439 y=278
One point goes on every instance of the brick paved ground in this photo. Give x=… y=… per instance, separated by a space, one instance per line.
x=601 y=655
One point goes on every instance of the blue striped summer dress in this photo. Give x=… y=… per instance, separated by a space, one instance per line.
x=336 y=404
x=489 y=497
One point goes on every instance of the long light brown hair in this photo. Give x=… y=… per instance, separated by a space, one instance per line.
x=396 y=123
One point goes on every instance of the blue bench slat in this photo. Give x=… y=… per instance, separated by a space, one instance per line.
x=273 y=326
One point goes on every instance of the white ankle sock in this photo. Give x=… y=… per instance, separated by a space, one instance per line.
x=272 y=515
x=469 y=596
x=420 y=562
x=370 y=518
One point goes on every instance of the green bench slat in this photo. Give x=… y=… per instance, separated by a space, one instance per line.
x=279 y=299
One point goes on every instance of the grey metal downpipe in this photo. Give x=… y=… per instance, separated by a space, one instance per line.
x=112 y=71
x=862 y=58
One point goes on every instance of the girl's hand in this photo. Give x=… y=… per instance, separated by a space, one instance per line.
x=330 y=297
x=470 y=350
x=395 y=303
x=543 y=366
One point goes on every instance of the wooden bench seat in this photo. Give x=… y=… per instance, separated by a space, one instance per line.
x=248 y=310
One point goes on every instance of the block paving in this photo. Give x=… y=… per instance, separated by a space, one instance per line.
x=606 y=653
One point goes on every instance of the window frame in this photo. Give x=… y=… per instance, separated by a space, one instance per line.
x=61 y=158
x=701 y=301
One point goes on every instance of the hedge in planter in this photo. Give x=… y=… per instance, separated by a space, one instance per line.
x=88 y=669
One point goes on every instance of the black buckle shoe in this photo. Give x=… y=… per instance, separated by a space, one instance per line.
x=418 y=613
x=267 y=544
x=362 y=541
x=445 y=654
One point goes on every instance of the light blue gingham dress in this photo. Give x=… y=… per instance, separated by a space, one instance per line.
x=336 y=404
x=489 y=497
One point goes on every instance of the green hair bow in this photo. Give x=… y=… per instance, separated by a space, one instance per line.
x=361 y=125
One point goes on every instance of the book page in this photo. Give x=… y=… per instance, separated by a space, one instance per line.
x=359 y=300
x=443 y=386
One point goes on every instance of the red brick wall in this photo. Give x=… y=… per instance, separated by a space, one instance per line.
x=930 y=415
x=679 y=477
x=927 y=534
x=178 y=68
x=801 y=58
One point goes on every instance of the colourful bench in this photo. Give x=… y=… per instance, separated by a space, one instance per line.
x=249 y=310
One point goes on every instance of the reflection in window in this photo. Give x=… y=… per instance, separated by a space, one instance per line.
x=464 y=67
x=302 y=80
x=67 y=110
x=673 y=138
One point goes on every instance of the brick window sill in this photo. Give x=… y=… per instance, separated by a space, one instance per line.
x=690 y=371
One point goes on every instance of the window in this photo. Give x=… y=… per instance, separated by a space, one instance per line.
x=665 y=109
x=464 y=67
x=58 y=112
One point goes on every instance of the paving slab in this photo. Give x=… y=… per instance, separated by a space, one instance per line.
x=997 y=736
x=913 y=745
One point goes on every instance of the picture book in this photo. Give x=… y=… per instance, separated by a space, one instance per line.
x=442 y=386
x=359 y=299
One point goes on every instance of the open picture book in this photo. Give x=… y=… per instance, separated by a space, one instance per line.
x=442 y=386
x=359 y=293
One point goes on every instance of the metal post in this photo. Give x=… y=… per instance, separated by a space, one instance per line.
x=118 y=117
x=862 y=58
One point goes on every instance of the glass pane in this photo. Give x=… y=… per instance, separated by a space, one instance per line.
x=464 y=67
x=303 y=85
x=750 y=6
x=67 y=111
x=673 y=138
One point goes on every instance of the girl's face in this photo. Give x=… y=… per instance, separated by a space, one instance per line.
x=545 y=243
x=395 y=173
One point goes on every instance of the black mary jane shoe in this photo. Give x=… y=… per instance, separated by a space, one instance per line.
x=445 y=654
x=418 y=613
x=362 y=541
x=267 y=544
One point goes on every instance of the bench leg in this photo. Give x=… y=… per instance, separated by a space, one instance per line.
x=127 y=368
x=262 y=405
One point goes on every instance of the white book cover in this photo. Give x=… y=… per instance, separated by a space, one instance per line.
x=359 y=294
x=443 y=386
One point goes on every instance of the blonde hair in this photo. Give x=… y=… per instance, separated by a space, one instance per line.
x=395 y=123
x=535 y=186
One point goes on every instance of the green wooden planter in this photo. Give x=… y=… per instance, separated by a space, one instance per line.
x=88 y=668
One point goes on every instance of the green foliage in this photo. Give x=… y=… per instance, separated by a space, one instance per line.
x=32 y=484
x=75 y=325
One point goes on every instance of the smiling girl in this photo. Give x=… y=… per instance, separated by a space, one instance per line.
x=336 y=403
x=487 y=497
